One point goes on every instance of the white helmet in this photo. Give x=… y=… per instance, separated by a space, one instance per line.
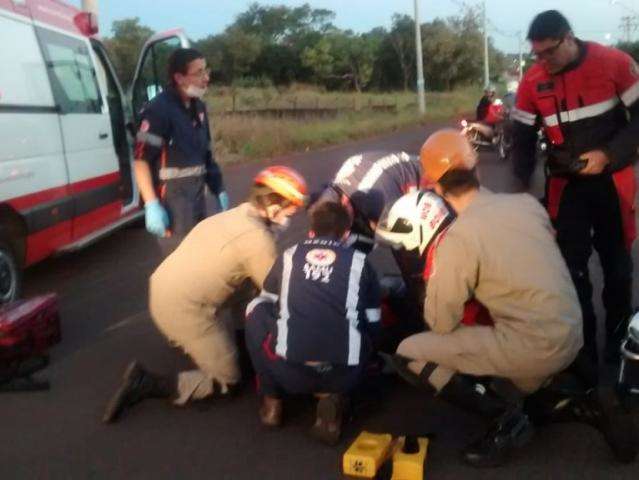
x=414 y=221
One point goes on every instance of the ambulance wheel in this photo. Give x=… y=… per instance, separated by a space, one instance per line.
x=10 y=274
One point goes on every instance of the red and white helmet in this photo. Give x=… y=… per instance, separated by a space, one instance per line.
x=284 y=181
x=415 y=220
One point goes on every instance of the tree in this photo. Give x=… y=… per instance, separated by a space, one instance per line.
x=631 y=48
x=343 y=57
x=320 y=60
x=280 y=23
x=213 y=48
x=241 y=49
x=284 y=44
x=442 y=62
x=402 y=38
x=125 y=46
x=285 y=33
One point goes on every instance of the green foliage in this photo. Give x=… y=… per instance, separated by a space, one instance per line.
x=245 y=138
x=300 y=44
x=125 y=46
x=632 y=48
x=252 y=82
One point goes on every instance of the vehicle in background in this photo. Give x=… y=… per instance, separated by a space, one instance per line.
x=490 y=133
x=66 y=130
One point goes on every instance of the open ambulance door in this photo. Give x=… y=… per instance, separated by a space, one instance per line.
x=151 y=72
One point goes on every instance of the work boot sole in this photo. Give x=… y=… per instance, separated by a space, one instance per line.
x=328 y=425
x=118 y=401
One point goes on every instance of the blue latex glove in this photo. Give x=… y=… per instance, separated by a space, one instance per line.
x=223 y=200
x=156 y=218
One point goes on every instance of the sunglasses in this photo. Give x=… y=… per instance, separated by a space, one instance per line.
x=547 y=53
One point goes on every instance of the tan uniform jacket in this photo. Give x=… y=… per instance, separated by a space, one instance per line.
x=502 y=251
x=212 y=262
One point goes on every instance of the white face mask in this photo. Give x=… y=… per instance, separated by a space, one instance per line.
x=194 y=92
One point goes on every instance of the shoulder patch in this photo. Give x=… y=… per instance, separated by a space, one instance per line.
x=145 y=126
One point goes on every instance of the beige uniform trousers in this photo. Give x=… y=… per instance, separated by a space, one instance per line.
x=203 y=276
x=500 y=251
x=477 y=351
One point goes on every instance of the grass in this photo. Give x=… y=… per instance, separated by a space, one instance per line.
x=248 y=138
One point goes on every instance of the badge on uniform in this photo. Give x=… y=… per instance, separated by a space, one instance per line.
x=318 y=264
x=145 y=126
x=545 y=87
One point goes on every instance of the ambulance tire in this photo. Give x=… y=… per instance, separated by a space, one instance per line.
x=10 y=272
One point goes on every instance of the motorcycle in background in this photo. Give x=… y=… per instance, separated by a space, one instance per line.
x=492 y=132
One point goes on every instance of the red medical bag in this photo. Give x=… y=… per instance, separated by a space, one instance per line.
x=29 y=327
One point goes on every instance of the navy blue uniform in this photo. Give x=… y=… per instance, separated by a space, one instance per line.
x=176 y=142
x=309 y=331
x=373 y=181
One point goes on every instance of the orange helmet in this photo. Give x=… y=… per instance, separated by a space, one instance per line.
x=446 y=150
x=284 y=181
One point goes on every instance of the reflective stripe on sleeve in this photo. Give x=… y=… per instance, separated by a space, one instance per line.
x=523 y=116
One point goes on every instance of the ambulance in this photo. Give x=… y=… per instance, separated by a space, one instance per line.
x=66 y=132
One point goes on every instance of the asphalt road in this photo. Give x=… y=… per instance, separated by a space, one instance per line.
x=105 y=324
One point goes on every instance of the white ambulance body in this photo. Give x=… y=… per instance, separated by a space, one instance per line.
x=65 y=132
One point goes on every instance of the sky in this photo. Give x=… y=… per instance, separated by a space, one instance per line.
x=597 y=20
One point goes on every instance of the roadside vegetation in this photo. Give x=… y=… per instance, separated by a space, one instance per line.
x=286 y=79
x=256 y=136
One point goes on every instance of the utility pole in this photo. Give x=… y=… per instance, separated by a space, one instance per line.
x=626 y=25
x=420 y=62
x=629 y=24
x=486 y=67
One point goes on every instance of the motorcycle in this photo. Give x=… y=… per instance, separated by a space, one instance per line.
x=491 y=133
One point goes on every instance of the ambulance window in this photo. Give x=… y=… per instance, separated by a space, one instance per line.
x=23 y=77
x=72 y=74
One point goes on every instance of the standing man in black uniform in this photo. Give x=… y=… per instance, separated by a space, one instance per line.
x=174 y=157
x=587 y=96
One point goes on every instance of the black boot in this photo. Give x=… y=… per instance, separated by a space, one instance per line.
x=509 y=432
x=137 y=385
x=510 y=429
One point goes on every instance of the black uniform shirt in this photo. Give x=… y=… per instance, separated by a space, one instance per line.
x=328 y=301
x=176 y=136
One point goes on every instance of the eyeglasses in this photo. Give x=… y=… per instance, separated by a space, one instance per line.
x=547 y=53
x=200 y=73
